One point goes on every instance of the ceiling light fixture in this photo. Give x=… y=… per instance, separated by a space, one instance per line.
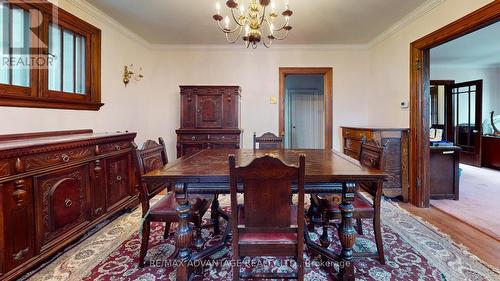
x=253 y=22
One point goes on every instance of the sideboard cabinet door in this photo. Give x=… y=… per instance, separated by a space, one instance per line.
x=209 y=111
x=62 y=203
x=119 y=182
x=18 y=220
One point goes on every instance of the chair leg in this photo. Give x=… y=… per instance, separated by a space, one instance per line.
x=300 y=268
x=324 y=236
x=167 y=230
x=359 y=222
x=198 y=243
x=236 y=269
x=312 y=214
x=214 y=216
x=378 y=239
x=144 y=241
x=376 y=226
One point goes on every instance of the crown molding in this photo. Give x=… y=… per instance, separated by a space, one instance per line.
x=95 y=12
x=406 y=20
x=241 y=47
x=92 y=11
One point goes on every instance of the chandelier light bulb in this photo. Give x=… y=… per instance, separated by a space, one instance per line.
x=252 y=24
x=217 y=8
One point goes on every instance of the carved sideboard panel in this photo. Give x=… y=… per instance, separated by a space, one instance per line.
x=38 y=161
x=396 y=154
x=52 y=190
x=63 y=200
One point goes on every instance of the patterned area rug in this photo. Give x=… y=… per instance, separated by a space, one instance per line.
x=414 y=251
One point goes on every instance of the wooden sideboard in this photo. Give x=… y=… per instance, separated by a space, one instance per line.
x=444 y=172
x=56 y=186
x=396 y=141
x=490 y=151
x=210 y=118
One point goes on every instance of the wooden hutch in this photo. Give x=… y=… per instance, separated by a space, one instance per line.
x=396 y=141
x=210 y=118
x=56 y=186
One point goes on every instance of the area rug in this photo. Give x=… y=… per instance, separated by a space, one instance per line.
x=414 y=251
x=473 y=208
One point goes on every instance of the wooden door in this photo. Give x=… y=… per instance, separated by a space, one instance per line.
x=465 y=129
x=305 y=119
x=61 y=200
x=119 y=180
x=209 y=111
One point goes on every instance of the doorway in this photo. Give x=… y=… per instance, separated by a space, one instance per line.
x=304 y=111
x=305 y=118
x=419 y=194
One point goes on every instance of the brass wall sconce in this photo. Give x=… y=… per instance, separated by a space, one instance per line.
x=129 y=74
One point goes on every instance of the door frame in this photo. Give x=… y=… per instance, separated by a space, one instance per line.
x=465 y=157
x=420 y=94
x=327 y=73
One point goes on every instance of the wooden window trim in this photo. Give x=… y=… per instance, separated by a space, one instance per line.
x=37 y=95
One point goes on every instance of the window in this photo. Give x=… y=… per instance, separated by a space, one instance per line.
x=49 y=58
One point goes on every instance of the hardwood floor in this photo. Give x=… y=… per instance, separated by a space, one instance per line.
x=478 y=243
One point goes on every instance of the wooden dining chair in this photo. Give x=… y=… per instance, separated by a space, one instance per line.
x=267 y=224
x=371 y=156
x=267 y=141
x=153 y=156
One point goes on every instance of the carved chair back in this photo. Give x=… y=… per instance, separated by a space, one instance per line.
x=267 y=141
x=151 y=156
x=372 y=155
x=267 y=189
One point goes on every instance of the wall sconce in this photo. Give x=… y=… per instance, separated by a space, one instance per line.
x=128 y=74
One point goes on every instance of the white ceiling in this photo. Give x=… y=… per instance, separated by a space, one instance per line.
x=479 y=49
x=313 y=21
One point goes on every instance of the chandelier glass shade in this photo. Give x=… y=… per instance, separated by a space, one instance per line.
x=255 y=23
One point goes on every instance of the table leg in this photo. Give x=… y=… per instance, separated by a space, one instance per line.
x=215 y=215
x=347 y=233
x=184 y=233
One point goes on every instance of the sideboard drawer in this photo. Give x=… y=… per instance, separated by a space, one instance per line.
x=225 y=138
x=352 y=144
x=112 y=147
x=194 y=137
x=38 y=161
x=352 y=154
x=61 y=202
x=356 y=134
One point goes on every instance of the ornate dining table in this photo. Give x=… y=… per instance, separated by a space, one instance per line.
x=207 y=172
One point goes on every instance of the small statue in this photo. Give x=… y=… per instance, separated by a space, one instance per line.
x=496 y=132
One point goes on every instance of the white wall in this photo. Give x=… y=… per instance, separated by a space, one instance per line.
x=257 y=72
x=490 y=77
x=390 y=61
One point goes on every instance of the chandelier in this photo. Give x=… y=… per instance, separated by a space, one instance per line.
x=253 y=22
